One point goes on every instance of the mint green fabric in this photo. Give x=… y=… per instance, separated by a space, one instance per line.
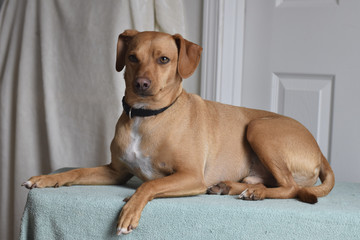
x=91 y=212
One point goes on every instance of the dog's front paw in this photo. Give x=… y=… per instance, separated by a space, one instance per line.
x=41 y=182
x=219 y=189
x=129 y=218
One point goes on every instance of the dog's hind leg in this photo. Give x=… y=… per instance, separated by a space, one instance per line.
x=285 y=148
x=253 y=190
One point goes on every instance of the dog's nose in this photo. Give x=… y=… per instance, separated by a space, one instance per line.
x=142 y=84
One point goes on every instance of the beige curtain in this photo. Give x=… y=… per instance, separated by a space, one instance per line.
x=60 y=94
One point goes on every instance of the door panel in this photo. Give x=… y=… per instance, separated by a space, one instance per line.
x=308 y=99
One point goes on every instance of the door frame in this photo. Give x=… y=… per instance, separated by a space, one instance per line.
x=223 y=44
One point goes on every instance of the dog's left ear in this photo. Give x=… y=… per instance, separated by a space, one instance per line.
x=122 y=47
x=189 y=56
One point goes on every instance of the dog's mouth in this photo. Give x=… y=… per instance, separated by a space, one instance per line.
x=143 y=93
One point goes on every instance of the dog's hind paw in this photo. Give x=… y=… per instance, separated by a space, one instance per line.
x=243 y=194
x=253 y=193
x=219 y=189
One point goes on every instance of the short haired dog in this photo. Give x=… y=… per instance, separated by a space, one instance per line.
x=182 y=145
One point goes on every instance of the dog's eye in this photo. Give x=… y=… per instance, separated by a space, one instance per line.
x=163 y=60
x=133 y=58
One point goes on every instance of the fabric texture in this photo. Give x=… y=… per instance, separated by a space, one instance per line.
x=60 y=96
x=91 y=212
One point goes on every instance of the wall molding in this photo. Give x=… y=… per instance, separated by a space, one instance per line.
x=223 y=44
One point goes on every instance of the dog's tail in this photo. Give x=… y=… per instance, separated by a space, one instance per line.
x=327 y=177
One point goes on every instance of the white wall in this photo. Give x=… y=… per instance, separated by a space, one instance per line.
x=193 y=20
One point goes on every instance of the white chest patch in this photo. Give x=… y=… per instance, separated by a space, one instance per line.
x=133 y=156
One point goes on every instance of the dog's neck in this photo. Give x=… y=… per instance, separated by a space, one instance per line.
x=141 y=112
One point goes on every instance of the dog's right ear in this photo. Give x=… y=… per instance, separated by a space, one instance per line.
x=122 y=47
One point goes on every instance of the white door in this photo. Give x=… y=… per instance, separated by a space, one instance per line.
x=301 y=58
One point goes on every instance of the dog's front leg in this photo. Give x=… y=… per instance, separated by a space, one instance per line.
x=175 y=185
x=103 y=175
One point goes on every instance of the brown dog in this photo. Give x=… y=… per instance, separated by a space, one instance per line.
x=182 y=145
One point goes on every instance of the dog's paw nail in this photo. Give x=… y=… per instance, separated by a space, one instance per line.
x=252 y=196
x=242 y=195
x=121 y=231
x=130 y=228
x=27 y=184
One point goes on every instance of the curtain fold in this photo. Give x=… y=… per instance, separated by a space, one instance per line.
x=60 y=96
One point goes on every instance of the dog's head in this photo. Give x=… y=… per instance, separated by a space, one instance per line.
x=155 y=62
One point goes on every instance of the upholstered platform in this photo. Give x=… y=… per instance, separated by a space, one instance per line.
x=91 y=212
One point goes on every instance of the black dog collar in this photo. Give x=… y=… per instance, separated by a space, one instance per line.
x=140 y=112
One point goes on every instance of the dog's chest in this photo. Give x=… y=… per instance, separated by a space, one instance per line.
x=133 y=157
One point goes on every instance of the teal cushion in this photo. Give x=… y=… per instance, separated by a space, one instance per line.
x=91 y=212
